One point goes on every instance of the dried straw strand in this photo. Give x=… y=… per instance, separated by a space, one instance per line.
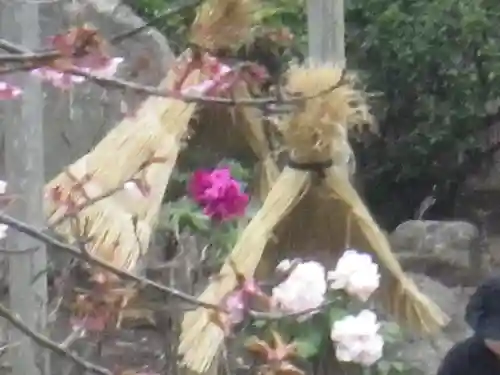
x=402 y=298
x=223 y=24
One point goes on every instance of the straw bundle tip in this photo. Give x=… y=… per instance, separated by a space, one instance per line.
x=331 y=106
x=426 y=317
x=223 y=24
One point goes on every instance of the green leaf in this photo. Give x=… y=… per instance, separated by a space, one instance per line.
x=259 y=323
x=335 y=314
x=383 y=367
x=399 y=366
x=391 y=332
x=184 y=213
x=309 y=342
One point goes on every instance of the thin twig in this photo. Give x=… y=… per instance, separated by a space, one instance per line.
x=45 y=342
x=281 y=315
x=29 y=250
x=154 y=91
x=127 y=34
x=74 y=251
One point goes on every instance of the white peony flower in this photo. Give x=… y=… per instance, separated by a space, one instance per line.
x=303 y=290
x=356 y=273
x=373 y=349
x=357 y=339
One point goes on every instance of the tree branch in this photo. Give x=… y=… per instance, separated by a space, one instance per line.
x=45 y=342
x=75 y=252
x=154 y=91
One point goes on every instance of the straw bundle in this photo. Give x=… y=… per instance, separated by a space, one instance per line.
x=311 y=207
x=119 y=226
x=223 y=24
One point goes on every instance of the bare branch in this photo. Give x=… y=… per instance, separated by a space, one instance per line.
x=75 y=252
x=117 y=83
x=45 y=342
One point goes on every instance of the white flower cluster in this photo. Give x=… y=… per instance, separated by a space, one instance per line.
x=304 y=290
x=357 y=274
x=357 y=338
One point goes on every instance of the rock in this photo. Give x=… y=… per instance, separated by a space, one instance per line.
x=433 y=237
x=426 y=354
x=439 y=249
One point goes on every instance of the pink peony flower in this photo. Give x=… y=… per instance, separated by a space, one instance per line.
x=8 y=91
x=220 y=196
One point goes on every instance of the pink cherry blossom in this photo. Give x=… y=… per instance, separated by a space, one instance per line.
x=108 y=69
x=3 y=227
x=356 y=273
x=220 y=196
x=303 y=290
x=235 y=305
x=8 y=91
x=65 y=80
x=357 y=339
x=57 y=78
x=217 y=74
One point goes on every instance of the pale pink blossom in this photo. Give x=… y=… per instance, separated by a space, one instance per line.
x=357 y=339
x=3 y=231
x=303 y=290
x=235 y=306
x=132 y=188
x=217 y=80
x=8 y=91
x=66 y=80
x=57 y=78
x=107 y=70
x=3 y=227
x=356 y=273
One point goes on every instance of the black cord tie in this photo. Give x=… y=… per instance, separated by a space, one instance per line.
x=318 y=167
